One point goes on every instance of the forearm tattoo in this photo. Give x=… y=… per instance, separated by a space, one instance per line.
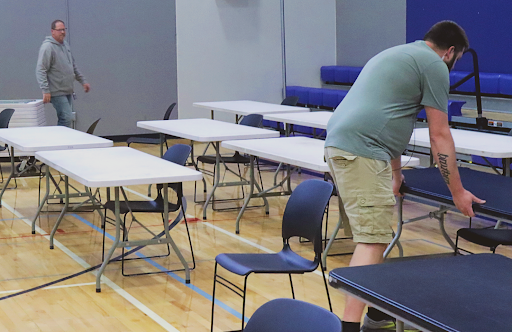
x=443 y=167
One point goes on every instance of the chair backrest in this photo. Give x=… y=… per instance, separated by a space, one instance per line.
x=252 y=120
x=92 y=127
x=178 y=154
x=290 y=101
x=5 y=117
x=167 y=114
x=304 y=212
x=288 y=315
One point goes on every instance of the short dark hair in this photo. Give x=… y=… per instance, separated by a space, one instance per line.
x=446 y=34
x=54 y=23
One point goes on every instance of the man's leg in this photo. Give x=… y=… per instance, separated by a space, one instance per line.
x=364 y=254
x=364 y=188
x=64 y=107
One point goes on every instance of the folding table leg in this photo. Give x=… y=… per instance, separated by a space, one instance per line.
x=216 y=180
x=331 y=240
x=398 y=229
x=63 y=212
x=168 y=236
x=248 y=198
x=41 y=204
x=114 y=245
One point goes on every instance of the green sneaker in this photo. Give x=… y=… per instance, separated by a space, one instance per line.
x=370 y=325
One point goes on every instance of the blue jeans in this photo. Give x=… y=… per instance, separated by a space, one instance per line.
x=64 y=107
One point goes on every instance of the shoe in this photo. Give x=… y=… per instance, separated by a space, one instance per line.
x=370 y=325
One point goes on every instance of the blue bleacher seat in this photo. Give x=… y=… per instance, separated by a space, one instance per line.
x=456 y=76
x=489 y=83
x=342 y=74
x=316 y=96
x=353 y=73
x=327 y=73
x=454 y=109
x=496 y=162
x=299 y=91
x=505 y=84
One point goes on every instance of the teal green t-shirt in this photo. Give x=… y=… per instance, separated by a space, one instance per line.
x=376 y=118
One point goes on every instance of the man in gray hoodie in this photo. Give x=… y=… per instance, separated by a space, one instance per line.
x=56 y=72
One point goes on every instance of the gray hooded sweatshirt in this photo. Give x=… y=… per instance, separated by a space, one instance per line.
x=56 y=70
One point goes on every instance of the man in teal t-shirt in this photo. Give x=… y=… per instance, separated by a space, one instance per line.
x=368 y=133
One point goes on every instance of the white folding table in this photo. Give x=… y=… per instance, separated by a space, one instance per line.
x=206 y=130
x=310 y=119
x=26 y=141
x=472 y=142
x=299 y=151
x=246 y=107
x=117 y=167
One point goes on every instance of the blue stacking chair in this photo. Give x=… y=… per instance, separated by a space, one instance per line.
x=149 y=140
x=251 y=120
x=302 y=218
x=287 y=315
x=177 y=154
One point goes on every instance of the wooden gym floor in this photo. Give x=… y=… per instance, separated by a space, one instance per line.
x=163 y=302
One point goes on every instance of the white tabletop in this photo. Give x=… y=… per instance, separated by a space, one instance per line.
x=206 y=130
x=245 y=107
x=116 y=166
x=310 y=119
x=31 y=139
x=299 y=151
x=470 y=142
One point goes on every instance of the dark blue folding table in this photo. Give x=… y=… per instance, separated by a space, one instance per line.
x=470 y=293
x=427 y=184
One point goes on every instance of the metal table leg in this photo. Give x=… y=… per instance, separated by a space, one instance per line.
x=41 y=203
x=114 y=245
x=248 y=198
x=216 y=179
x=168 y=236
x=63 y=212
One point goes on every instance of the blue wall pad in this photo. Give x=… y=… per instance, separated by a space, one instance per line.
x=488 y=25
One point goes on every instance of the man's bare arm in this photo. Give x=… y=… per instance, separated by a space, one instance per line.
x=443 y=150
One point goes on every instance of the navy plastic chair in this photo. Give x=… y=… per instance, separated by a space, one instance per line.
x=5 y=118
x=251 y=120
x=486 y=237
x=302 y=217
x=177 y=154
x=148 y=140
x=290 y=101
x=92 y=127
x=287 y=315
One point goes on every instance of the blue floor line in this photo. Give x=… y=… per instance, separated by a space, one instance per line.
x=10 y=219
x=172 y=275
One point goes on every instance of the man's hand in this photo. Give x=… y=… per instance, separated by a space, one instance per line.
x=46 y=98
x=397 y=183
x=464 y=202
x=87 y=87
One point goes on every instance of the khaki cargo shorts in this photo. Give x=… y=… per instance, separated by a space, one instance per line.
x=366 y=195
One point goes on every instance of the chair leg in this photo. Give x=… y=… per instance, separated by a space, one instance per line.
x=456 y=251
x=243 y=301
x=213 y=295
x=291 y=285
x=325 y=284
